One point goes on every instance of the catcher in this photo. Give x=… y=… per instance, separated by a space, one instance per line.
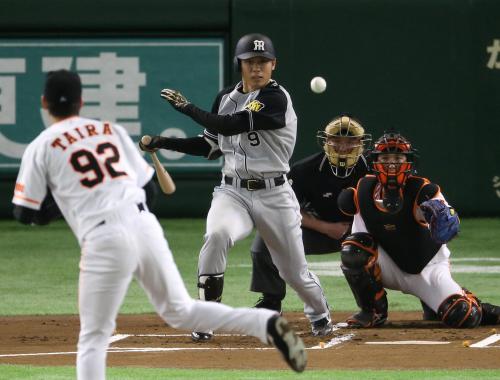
x=401 y=226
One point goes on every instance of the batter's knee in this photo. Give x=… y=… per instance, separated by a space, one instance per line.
x=218 y=240
x=460 y=311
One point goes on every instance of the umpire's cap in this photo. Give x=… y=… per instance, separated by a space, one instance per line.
x=63 y=87
x=254 y=45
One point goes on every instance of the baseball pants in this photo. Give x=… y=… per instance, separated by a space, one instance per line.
x=275 y=213
x=130 y=243
x=265 y=275
x=433 y=285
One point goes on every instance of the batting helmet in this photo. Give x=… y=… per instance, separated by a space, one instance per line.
x=343 y=141
x=253 y=45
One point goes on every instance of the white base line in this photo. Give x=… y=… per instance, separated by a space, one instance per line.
x=487 y=341
x=119 y=337
x=404 y=342
x=333 y=342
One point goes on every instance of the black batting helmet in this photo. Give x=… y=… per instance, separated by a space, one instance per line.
x=253 y=45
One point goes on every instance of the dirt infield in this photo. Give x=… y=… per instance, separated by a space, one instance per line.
x=144 y=341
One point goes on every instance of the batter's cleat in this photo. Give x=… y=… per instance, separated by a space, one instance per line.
x=322 y=327
x=271 y=303
x=491 y=314
x=281 y=336
x=201 y=337
x=365 y=319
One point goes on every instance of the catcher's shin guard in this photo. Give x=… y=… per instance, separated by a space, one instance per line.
x=359 y=265
x=210 y=287
x=461 y=311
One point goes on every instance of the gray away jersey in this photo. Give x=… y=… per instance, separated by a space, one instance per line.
x=258 y=153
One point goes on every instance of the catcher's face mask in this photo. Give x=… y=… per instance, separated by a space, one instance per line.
x=343 y=141
x=392 y=160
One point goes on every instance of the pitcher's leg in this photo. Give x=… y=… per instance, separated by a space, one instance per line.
x=157 y=273
x=104 y=278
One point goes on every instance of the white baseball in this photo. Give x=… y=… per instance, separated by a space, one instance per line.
x=318 y=85
x=146 y=139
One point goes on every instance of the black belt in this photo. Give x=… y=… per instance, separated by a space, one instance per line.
x=255 y=184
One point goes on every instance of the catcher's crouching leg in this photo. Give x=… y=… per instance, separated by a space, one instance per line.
x=359 y=265
x=461 y=311
x=210 y=288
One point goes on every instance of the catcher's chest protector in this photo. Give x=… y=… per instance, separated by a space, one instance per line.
x=405 y=240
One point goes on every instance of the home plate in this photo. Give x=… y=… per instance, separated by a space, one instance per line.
x=410 y=342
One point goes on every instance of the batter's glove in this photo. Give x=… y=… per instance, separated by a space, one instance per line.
x=175 y=98
x=443 y=220
x=155 y=144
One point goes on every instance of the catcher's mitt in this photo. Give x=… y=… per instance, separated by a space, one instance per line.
x=443 y=220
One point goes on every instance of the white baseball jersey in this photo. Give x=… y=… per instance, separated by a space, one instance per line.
x=90 y=166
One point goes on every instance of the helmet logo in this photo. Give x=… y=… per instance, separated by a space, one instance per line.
x=254 y=106
x=258 y=45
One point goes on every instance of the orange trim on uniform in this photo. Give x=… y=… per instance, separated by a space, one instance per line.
x=415 y=206
x=26 y=199
x=372 y=251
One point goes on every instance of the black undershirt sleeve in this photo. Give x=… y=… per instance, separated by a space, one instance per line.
x=271 y=116
x=194 y=146
x=48 y=212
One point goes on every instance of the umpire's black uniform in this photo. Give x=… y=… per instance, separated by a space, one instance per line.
x=317 y=189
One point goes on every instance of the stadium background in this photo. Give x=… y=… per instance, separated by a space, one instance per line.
x=422 y=67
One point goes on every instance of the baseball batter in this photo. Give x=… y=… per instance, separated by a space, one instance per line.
x=401 y=226
x=253 y=125
x=96 y=175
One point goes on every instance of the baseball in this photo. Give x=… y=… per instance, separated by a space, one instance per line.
x=466 y=343
x=146 y=139
x=318 y=85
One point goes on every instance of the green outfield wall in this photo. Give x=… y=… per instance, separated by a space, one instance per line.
x=429 y=68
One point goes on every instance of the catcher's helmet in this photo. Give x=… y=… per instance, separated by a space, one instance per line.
x=393 y=174
x=253 y=45
x=343 y=141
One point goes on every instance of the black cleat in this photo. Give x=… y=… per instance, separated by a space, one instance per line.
x=428 y=314
x=271 y=303
x=491 y=314
x=322 y=327
x=201 y=337
x=365 y=319
x=281 y=336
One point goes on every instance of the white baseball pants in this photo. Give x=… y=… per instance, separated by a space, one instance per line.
x=129 y=244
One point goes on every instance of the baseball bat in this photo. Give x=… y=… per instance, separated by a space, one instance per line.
x=166 y=183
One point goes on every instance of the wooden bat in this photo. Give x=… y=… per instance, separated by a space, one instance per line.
x=166 y=183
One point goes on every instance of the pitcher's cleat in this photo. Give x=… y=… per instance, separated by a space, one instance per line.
x=281 y=336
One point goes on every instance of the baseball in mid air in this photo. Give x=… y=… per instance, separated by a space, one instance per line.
x=318 y=85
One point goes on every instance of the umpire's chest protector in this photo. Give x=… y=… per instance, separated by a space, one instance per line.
x=405 y=240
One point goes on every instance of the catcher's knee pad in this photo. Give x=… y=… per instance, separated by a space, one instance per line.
x=359 y=251
x=210 y=287
x=461 y=311
x=359 y=264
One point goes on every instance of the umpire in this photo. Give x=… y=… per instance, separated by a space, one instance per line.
x=317 y=181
